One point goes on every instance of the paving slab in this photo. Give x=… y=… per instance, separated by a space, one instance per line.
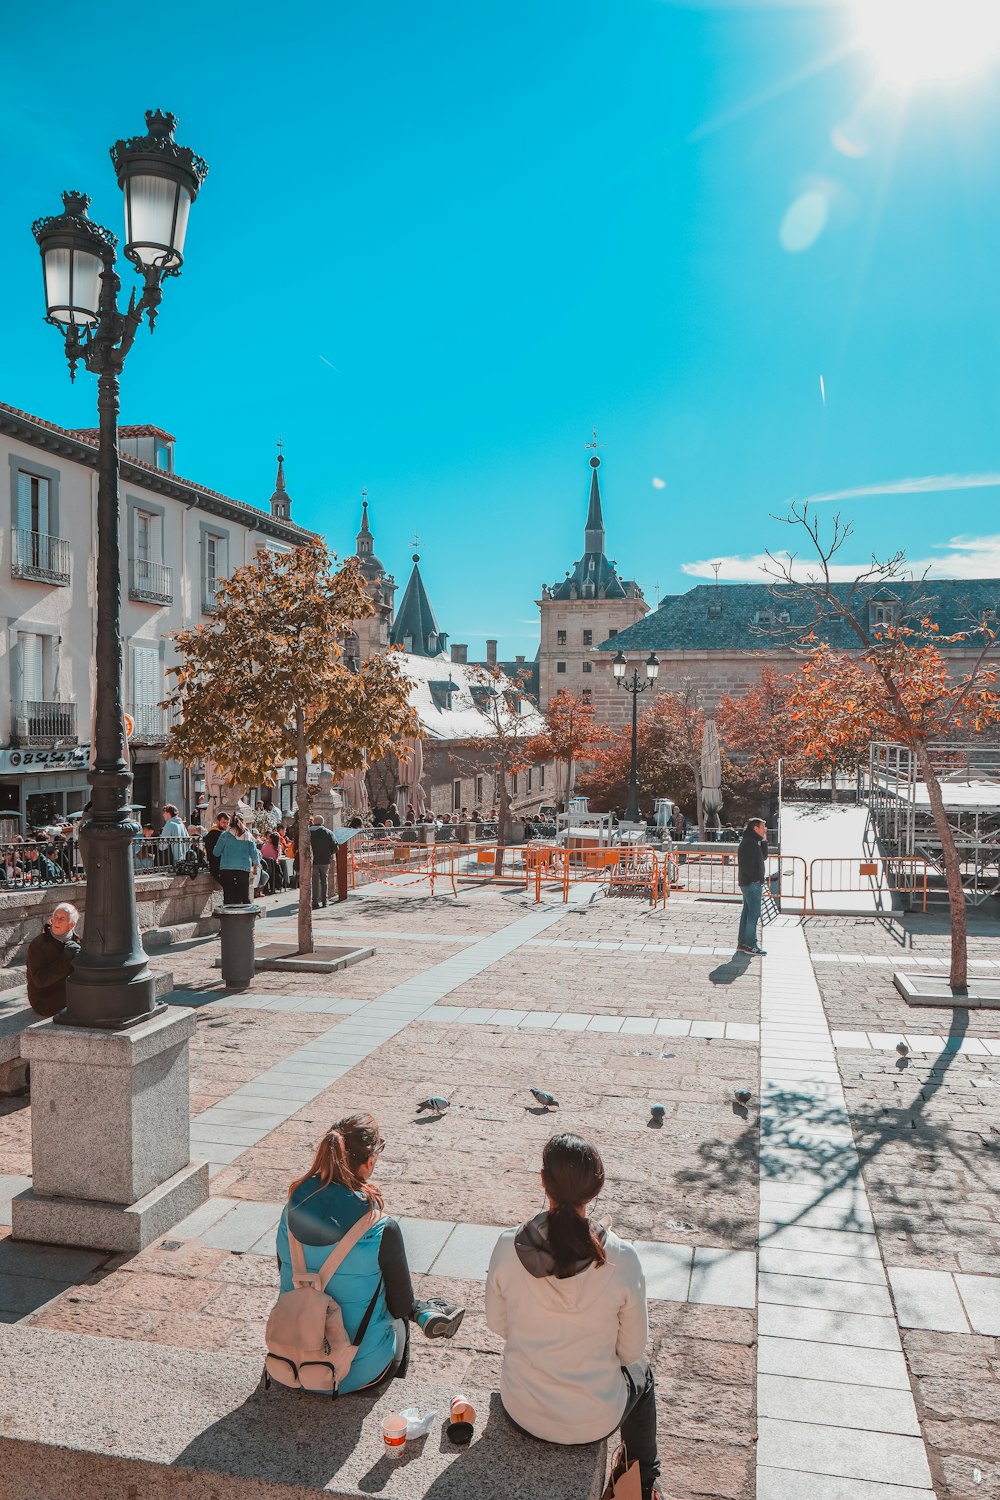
x=424 y=1240
x=724 y=1277
x=981 y=1296
x=466 y=1252
x=786 y=1262
x=242 y=1226
x=791 y=1484
x=927 y=1299
x=667 y=1269
x=848 y=1363
x=848 y=1452
x=834 y=1403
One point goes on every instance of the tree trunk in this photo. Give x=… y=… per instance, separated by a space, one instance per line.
x=302 y=844
x=959 y=977
x=833 y=781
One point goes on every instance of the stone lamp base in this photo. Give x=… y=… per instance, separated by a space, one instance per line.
x=110 y=1134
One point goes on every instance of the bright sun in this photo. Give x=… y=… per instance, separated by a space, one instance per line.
x=914 y=40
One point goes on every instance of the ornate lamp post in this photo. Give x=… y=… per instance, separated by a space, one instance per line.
x=112 y=985
x=635 y=686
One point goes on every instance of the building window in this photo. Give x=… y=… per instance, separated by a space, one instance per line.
x=588 y=666
x=149 y=580
x=513 y=790
x=881 y=616
x=456 y=796
x=541 y=777
x=612 y=633
x=162 y=454
x=560 y=637
x=588 y=696
x=588 y=637
x=479 y=792
x=214 y=566
x=560 y=666
x=37 y=552
x=529 y=778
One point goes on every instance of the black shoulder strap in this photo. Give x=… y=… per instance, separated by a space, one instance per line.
x=363 y=1325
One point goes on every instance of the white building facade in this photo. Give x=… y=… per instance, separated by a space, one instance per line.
x=178 y=539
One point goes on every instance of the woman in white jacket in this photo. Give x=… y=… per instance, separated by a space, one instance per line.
x=568 y=1297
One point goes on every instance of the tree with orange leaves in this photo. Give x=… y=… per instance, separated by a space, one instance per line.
x=571 y=734
x=758 y=727
x=899 y=687
x=829 y=711
x=668 y=755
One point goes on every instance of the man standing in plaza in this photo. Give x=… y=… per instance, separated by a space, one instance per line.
x=212 y=837
x=752 y=857
x=323 y=845
x=50 y=959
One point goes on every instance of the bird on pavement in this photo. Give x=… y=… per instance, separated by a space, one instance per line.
x=435 y=1103
x=902 y=1049
x=547 y=1101
x=742 y=1096
x=657 y=1111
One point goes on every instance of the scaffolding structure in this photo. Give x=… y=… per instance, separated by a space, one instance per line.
x=903 y=820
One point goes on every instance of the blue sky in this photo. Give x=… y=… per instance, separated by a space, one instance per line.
x=439 y=243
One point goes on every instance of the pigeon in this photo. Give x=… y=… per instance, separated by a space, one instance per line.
x=902 y=1049
x=436 y=1103
x=544 y=1099
x=657 y=1111
x=743 y=1096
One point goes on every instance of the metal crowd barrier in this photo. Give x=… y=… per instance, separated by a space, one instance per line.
x=892 y=875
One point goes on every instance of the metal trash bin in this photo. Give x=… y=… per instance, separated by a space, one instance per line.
x=236 y=924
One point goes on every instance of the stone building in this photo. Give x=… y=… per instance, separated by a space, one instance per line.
x=592 y=604
x=718 y=638
x=178 y=539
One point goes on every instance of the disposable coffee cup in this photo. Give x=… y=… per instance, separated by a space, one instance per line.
x=394 y=1435
x=462 y=1409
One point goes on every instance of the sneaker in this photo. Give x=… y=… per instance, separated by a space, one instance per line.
x=759 y=952
x=438 y=1319
x=742 y=948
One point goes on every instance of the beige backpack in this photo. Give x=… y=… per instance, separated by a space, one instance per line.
x=307 y=1344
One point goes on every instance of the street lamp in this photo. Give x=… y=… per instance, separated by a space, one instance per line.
x=635 y=686
x=112 y=985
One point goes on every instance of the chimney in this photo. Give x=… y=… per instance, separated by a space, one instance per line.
x=459 y=654
x=491 y=653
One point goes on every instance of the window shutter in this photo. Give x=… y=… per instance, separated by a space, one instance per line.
x=23 y=502
x=145 y=676
x=30 y=653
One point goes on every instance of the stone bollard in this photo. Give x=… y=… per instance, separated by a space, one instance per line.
x=236 y=925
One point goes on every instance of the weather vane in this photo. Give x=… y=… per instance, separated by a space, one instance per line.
x=594 y=443
x=279 y=445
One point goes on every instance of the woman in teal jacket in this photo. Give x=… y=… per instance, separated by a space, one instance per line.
x=239 y=862
x=322 y=1206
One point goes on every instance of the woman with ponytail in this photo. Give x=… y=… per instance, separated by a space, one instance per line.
x=322 y=1206
x=568 y=1298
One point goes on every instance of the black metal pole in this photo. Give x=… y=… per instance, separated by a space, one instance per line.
x=632 y=805
x=111 y=985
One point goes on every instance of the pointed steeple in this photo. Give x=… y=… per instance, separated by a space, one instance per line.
x=415 y=627
x=594 y=535
x=281 y=500
x=371 y=566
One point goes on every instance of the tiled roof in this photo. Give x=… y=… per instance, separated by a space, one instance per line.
x=81 y=445
x=127 y=432
x=722 y=618
x=415 y=627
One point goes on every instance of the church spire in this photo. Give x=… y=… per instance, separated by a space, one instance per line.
x=281 y=500
x=365 y=540
x=415 y=627
x=594 y=534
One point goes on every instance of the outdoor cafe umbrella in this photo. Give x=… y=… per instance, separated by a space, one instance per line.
x=711 y=774
x=410 y=776
x=356 y=789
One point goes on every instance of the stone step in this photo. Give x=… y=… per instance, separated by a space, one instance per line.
x=98 y=1417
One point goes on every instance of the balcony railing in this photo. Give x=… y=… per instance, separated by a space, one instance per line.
x=37 y=556
x=150 y=723
x=208 y=595
x=37 y=723
x=150 y=582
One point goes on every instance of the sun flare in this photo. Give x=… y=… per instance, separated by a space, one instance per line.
x=922 y=40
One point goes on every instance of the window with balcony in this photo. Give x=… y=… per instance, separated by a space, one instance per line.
x=149 y=718
x=40 y=717
x=37 y=552
x=150 y=582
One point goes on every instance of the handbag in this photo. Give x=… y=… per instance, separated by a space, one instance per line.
x=624 y=1482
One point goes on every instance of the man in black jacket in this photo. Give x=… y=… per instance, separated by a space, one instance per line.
x=50 y=958
x=752 y=857
x=323 y=844
x=212 y=837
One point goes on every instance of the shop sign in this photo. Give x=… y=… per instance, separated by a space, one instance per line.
x=29 y=762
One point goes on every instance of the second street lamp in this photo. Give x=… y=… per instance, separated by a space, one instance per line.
x=112 y=985
x=635 y=686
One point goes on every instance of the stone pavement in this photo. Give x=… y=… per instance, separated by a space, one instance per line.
x=858 y=1202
